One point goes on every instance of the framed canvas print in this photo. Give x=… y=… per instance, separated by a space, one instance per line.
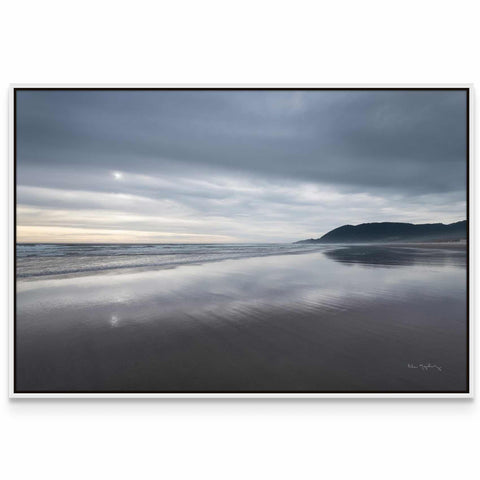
x=240 y=241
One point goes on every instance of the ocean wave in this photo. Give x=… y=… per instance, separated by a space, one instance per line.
x=49 y=260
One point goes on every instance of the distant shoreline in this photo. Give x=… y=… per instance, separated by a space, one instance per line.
x=394 y=232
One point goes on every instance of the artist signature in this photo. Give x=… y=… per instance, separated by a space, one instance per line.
x=425 y=367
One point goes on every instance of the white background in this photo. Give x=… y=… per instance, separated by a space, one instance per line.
x=243 y=42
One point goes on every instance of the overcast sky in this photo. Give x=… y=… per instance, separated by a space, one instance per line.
x=234 y=166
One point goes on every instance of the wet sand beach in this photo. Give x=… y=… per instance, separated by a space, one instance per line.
x=347 y=319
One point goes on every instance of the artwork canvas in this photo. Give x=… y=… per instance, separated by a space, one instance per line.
x=305 y=241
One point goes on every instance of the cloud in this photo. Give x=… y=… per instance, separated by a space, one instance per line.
x=238 y=165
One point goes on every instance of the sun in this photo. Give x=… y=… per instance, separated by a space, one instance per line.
x=117 y=175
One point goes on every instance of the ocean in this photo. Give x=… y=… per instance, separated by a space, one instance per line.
x=38 y=260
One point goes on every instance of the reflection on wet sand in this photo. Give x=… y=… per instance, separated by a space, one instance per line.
x=395 y=256
x=285 y=323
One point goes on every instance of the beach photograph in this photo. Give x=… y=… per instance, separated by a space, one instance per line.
x=241 y=240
